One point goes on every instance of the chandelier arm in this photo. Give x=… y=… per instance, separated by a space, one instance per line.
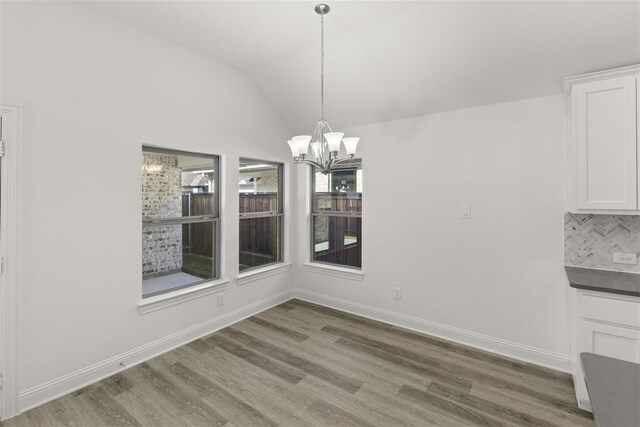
x=320 y=158
x=323 y=130
x=316 y=153
x=338 y=161
x=332 y=160
x=327 y=129
x=310 y=163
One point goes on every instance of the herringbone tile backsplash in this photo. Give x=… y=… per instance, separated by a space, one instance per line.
x=591 y=240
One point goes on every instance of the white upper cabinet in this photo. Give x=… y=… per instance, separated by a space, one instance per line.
x=603 y=137
x=606 y=148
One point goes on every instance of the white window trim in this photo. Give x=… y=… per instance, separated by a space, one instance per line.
x=321 y=267
x=286 y=210
x=332 y=270
x=9 y=225
x=147 y=304
x=260 y=273
x=284 y=265
x=179 y=296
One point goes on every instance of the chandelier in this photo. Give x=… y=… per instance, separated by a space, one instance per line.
x=324 y=143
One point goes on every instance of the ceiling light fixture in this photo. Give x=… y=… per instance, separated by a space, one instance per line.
x=326 y=143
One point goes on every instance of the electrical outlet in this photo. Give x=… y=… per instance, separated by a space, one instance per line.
x=622 y=258
x=465 y=211
x=397 y=293
x=220 y=300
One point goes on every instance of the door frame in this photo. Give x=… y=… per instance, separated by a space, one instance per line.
x=9 y=252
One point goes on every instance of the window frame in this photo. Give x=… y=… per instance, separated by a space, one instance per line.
x=214 y=219
x=280 y=213
x=315 y=213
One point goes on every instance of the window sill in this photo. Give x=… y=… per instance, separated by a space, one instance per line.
x=330 y=270
x=179 y=296
x=261 y=273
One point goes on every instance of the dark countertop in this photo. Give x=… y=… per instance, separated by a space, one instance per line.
x=614 y=390
x=615 y=282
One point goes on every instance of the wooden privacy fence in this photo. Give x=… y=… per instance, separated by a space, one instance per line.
x=338 y=202
x=194 y=204
x=344 y=240
x=335 y=229
x=267 y=202
x=257 y=235
x=197 y=237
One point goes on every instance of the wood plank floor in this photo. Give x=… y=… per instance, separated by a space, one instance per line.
x=300 y=364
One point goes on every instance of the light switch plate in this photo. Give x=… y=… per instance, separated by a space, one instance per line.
x=465 y=211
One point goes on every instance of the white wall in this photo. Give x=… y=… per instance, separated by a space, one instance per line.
x=91 y=91
x=495 y=280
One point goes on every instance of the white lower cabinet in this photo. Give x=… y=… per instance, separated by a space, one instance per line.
x=611 y=341
x=608 y=325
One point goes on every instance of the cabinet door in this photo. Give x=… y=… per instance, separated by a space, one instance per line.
x=611 y=341
x=606 y=144
x=606 y=340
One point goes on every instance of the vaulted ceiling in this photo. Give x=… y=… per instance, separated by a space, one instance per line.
x=387 y=60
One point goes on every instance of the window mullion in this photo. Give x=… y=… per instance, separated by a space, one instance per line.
x=336 y=213
x=179 y=220
x=259 y=214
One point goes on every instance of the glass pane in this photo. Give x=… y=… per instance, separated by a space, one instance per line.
x=259 y=186
x=259 y=241
x=338 y=191
x=177 y=185
x=337 y=240
x=174 y=256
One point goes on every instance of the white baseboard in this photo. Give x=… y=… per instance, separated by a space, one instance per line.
x=585 y=405
x=58 y=387
x=548 y=359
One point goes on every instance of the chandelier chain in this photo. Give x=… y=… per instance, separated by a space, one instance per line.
x=322 y=64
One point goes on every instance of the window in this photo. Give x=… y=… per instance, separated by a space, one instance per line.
x=336 y=216
x=261 y=213
x=180 y=220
